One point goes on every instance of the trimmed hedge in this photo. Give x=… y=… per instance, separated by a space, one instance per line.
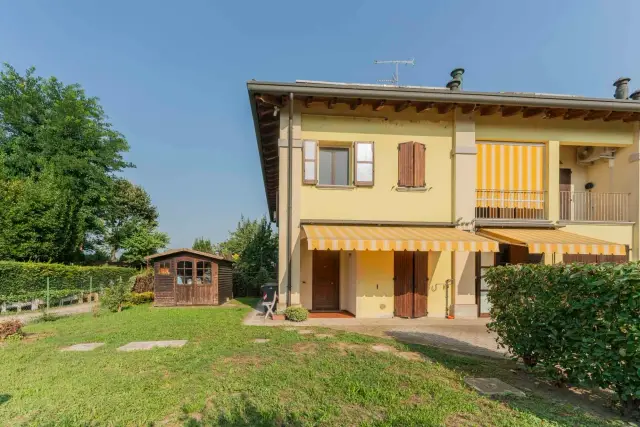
x=578 y=322
x=296 y=314
x=25 y=281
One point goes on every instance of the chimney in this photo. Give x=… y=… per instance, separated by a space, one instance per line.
x=456 y=79
x=622 y=88
x=635 y=95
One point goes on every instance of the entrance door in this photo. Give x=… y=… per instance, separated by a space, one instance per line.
x=326 y=281
x=410 y=284
x=565 y=194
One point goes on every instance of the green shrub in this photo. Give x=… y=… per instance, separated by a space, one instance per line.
x=141 y=297
x=296 y=314
x=117 y=297
x=47 y=317
x=579 y=322
x=9 y=328
x=25 y=281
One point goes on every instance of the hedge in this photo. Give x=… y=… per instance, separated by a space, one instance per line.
x=25 y=281
x=579 y=322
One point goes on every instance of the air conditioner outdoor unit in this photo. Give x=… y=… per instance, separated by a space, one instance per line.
x=592 y=154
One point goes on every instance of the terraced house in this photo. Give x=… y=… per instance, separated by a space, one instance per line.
x=392 y=200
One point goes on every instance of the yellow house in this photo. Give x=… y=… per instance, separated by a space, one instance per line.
x=392 y=200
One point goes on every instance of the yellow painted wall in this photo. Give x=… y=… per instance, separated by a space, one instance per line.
x=579 y=173
x=439 y=272
x=621 y=234
x=374 y=284
x=537 y=129
x=382 y=201
x=306 y=269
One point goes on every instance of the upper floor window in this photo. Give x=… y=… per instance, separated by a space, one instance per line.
x=411 y=164
x=203 y=273
x=164 y=268
x=333 y=166
x=185 y=273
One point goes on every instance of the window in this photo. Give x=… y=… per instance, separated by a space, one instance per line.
x=185 y=273
x=164 y=268
x=203 y=273
x=363 y=174
x=411 y=164
x=334 y=166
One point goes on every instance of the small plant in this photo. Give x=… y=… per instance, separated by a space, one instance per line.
x=13 y=338
x=141 y=298
x=47 y=317
x=9 y=328
x=95 y=311
x=296 y=314
x=117 y=296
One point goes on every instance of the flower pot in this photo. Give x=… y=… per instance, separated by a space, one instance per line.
x=278 y=317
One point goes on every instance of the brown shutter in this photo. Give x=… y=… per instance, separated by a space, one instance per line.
x=419 y=159
x=364 y=168
x=310 y=162
x=405 y=164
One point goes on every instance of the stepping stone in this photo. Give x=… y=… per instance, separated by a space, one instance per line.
x=148 y=345
x=261 y=340
x=412 y=355
x=305 y=331
x=324 y=336
x=492 y=387
x=382 y=348
x=289 y=329
x=88 y=346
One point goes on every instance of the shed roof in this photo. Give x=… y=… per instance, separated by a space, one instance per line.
x=187 y=250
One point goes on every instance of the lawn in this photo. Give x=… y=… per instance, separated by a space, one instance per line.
x=221 y=377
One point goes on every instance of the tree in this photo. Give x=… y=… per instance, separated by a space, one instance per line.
x=145 y=241
x=128 y=210
x=203 y=245
x=59 y=157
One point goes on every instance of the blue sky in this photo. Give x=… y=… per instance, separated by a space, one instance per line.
x=171 y=75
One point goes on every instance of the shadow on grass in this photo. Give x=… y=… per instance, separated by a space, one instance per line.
x=244 y=301
x=246 y=415
x=4 y=398
x=562 y=406
x=441 y=341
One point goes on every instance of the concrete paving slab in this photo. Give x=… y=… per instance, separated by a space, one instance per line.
x=324 y=336
x=261 y=340
x=148 y=345
x=87 y=346
x=383 y=348
x=305 y=331
x=492 y=387
x=289 y=329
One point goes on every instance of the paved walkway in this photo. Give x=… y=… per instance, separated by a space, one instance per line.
x=27 y=316
x=465 y=336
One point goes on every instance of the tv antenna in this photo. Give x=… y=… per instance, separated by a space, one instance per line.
x=395 y=80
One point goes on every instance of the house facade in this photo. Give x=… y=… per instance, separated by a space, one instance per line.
x=392 y=200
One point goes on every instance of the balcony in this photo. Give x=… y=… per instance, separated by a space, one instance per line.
x=594 y=207
x=510 y=205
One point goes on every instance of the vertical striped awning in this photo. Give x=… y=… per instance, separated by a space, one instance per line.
x=509 y=175
x=548 y=241
x=394 y=238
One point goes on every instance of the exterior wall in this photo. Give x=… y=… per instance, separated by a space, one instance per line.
x=383 y=201
x=374 y=284
x=621 y=234
x=579 y=173
x=439 y=273
x=225 y=282
x=306 y=276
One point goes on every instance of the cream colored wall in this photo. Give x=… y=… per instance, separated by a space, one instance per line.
x=537 y=129
x=382 y=201
x=352 y=273
x=374 y=284
x=306 y=269
x=439 y=270
x=621 y=234
x=579 y=173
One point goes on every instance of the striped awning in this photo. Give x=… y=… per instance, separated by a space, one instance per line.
x=394 y=238
x=547 y=241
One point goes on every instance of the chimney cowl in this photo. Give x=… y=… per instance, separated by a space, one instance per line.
x=456 y=79
x=622 y=88
x=454 y=84
x=635 y=95
x=457 y=73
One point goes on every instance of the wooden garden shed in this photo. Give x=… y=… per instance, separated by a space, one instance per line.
x=188 y=277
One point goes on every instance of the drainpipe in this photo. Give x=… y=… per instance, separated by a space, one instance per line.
x=289 y=195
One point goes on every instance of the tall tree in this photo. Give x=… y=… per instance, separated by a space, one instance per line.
x=145 y=241
x=203 y=245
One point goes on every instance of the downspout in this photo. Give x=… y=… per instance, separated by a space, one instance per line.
x=289 y=195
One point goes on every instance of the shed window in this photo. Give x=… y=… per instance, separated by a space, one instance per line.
x=164 y=268
x=203 y=273
x=185 y=273
x=334 y=166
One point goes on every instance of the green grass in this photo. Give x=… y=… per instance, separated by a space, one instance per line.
x=222 y=378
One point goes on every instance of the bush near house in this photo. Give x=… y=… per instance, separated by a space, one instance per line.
x=24 y=281
x=296 y=314
x=578 y=322
x=138 y=298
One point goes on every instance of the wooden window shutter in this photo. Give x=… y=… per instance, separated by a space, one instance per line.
x=364 y=169
x=310 y=154
x=405 y=164
x=419 y=160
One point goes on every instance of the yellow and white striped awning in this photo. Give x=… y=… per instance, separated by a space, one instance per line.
x=547 y=241
x=394 y=238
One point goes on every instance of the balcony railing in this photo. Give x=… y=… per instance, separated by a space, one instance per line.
x=587 y=206
x=506 y=204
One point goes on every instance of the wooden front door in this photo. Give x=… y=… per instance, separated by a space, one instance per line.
x=326 y=281
x=565 y=194
x=410 y=284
